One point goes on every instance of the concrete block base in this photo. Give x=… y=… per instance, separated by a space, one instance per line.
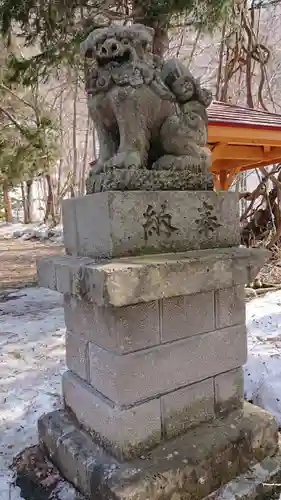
x=190 y=466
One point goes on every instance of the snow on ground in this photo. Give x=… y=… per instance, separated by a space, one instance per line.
x=39 y=231
x=32 y=360
x=263 y=369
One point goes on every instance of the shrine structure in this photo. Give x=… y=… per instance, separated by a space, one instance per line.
x=241 y=139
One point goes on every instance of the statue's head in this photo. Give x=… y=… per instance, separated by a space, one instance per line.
x=118 y=45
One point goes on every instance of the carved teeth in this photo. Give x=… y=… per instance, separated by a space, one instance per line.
x=116 y=60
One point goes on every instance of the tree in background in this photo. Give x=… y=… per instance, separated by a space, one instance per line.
x=244 y=57
x=57 y=28
x=243 y=77
x=52 y=33
x=28 y=140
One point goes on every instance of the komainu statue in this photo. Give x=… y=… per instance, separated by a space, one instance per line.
x=150 y=115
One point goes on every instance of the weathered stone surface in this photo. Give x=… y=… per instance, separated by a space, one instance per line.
x=148 y=112
x=121 y=329
x=125 y=431
x=192 y=179
x=188 y=407
x=127 y=281
x=78 y=458
x=68 y=271
x=230 y=306
x=90 y=222
x=69 y=228
x=187 y=315
x=150 y=372
x=77 y=355
x=61 y=273
x=229 y=391
x=195 y=463
x=261 y=482
x=116 y=224
x=46 y=273
x=250 y=293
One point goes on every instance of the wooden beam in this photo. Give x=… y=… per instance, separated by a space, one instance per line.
x=217 y=186
x=228 y=165
x=218 y=151
x=228 y=152
x=231 y=176
x=236 y=165
x=244 y=135
x=224 y=179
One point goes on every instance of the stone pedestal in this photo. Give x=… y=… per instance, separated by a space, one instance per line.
x=154 y=348
x=120 y=224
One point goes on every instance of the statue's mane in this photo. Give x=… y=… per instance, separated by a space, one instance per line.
x=133 y=33
x=145 y=69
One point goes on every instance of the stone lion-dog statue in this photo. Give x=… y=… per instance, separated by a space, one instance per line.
x=149 y=114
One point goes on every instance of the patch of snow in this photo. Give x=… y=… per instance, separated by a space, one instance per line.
x=36 y=231
x=8 y=231
x=64 y=491
x=31 y=363
x=262 y=373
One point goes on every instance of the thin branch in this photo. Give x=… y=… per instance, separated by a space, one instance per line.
x=14 y=121
x=14 y=94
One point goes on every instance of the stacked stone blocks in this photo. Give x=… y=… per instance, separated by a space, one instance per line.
x=155 y=343
x=148 y=371
x=156 y=368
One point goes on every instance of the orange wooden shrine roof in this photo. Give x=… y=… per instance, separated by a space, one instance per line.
x=220 y=113
x=240 y=139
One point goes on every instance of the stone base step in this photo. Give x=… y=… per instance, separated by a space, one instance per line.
x=197 y=463
x=132 y=280
x=261 y=482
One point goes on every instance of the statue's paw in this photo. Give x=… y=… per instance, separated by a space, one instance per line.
x=206 y=97
x=98 y=168
x=125 y=160
x=169 y=162
x=182 y=162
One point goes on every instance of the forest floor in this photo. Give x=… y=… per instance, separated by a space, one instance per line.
x=18 y=261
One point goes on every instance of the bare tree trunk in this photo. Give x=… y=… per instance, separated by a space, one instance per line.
x=29 y=201
x=220 y=66
x=50 y=206
x=161 y=39
x=71 y=190
x=23 y=198
x=60 y=165
x=226 y=78
x=7 y=204
x=158 y=22
x=85 y=156
x=250 y=101
x=249 y=69
x=243 y=184
x=74 y=133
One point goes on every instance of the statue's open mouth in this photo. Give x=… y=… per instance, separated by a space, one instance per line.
x=118 y=58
